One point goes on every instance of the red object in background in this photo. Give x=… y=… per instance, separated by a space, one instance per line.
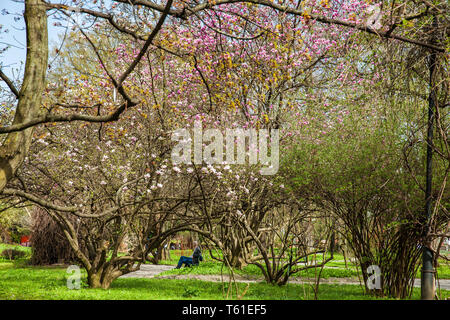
x=25 y=241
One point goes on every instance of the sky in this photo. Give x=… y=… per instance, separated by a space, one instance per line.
x=11 y=21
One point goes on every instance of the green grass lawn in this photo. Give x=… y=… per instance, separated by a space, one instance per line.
x=48 y=283
x=252 y=271
x=444 y=271
x=212 y=267
x=340 y=270
x=19 y=280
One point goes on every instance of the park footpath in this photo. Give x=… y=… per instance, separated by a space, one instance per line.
x=152 y=271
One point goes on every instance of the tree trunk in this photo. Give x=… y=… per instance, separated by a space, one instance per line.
x=236 y=261
x=94 y=280
x=15 y=147
x=102 y=277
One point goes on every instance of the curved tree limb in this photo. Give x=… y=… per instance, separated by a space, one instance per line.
x=9 y=83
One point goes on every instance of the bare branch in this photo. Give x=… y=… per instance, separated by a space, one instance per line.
x=68 y=118
x=41 y=202
x=9 y=83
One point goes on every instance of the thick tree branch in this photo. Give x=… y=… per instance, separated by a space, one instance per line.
x=114 y=116
x=49 y=205
x=9 y=83
x=41 y=202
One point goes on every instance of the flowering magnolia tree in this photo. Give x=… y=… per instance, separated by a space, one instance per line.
x=120 y=191
x=130 y=18
x=131 y=72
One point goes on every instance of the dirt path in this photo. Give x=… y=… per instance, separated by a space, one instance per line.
x=150 y=271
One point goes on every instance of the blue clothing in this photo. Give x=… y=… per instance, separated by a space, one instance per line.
x=184 y=260
x=189 y=261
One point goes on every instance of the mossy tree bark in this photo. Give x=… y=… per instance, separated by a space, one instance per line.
x=16 y=145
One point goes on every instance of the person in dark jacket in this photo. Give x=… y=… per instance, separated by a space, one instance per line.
x=192 y=260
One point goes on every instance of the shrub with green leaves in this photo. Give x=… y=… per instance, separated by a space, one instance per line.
x=12 y=254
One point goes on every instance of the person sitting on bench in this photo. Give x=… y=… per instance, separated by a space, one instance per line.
x=192 y=260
